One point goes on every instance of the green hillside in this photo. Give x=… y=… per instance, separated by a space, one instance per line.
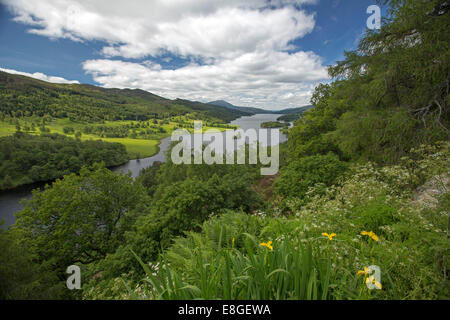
x=137 y=119
x=294 y=114
x=22 y=96
x=290 y=113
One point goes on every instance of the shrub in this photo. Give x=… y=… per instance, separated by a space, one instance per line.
x=301 y=174
x=374 y=215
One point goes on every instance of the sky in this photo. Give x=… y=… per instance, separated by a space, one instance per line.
x=257 y=53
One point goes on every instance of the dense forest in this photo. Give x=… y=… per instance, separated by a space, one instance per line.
x=363 y=181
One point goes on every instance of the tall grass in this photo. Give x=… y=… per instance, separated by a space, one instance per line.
x=290 y=271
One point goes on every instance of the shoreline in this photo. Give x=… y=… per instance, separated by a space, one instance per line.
x=131 y=157
x=10 y=198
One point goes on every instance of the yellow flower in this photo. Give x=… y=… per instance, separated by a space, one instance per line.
x=232 y=241
x=330 y=236
x=268 y=245
x=372 y=280
x=365 y=271
x=371 y=235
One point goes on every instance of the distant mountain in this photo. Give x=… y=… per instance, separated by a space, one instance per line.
x=25 y=96
x=291 y=111
x=294 y=110
x=222 y=103
x=290 y=115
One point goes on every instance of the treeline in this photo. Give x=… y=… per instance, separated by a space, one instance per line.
x=140 y=129
x=28 y=158
x=21 y=96
x=291 y=117
x=274 y=124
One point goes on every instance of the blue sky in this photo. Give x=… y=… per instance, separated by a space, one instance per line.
x=250 y=53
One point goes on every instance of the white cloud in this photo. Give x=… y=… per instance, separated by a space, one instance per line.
x=241 y=45
x=40 y=76
x=268 y=80
x=192 y=27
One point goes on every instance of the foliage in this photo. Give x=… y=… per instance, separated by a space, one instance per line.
x=148 y=177
x=375 y=215
x=27 y=158
x=225 y=260
x=290 y=271
x=20 y=277
x=80 y=218
x=364 y=182
x=274 y=124
x=413 y=249
x=23 y=97
x=184 y=196
x=389 y=96
x=299 y=175
x=291 y=117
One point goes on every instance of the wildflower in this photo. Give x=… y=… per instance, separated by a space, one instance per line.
x=330 y=236
x=268 y=245
x=371 y=235
x=232 y=241
x=365 y=271
x=372 y=280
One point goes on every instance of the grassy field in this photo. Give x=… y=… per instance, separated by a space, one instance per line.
x=136 y=147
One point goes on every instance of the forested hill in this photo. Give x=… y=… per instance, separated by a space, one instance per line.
x=22 y=96
x=291 y=111
x=249 y=110
x=290 y=115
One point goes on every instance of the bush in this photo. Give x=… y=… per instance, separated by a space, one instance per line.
x=68 y=130
x=374 y=215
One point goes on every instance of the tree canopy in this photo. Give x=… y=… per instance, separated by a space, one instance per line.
x=80 y=218
x=390 y=94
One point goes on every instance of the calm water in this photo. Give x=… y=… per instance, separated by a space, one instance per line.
x=10 y=200
x=135 y=166
x=10 y=203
